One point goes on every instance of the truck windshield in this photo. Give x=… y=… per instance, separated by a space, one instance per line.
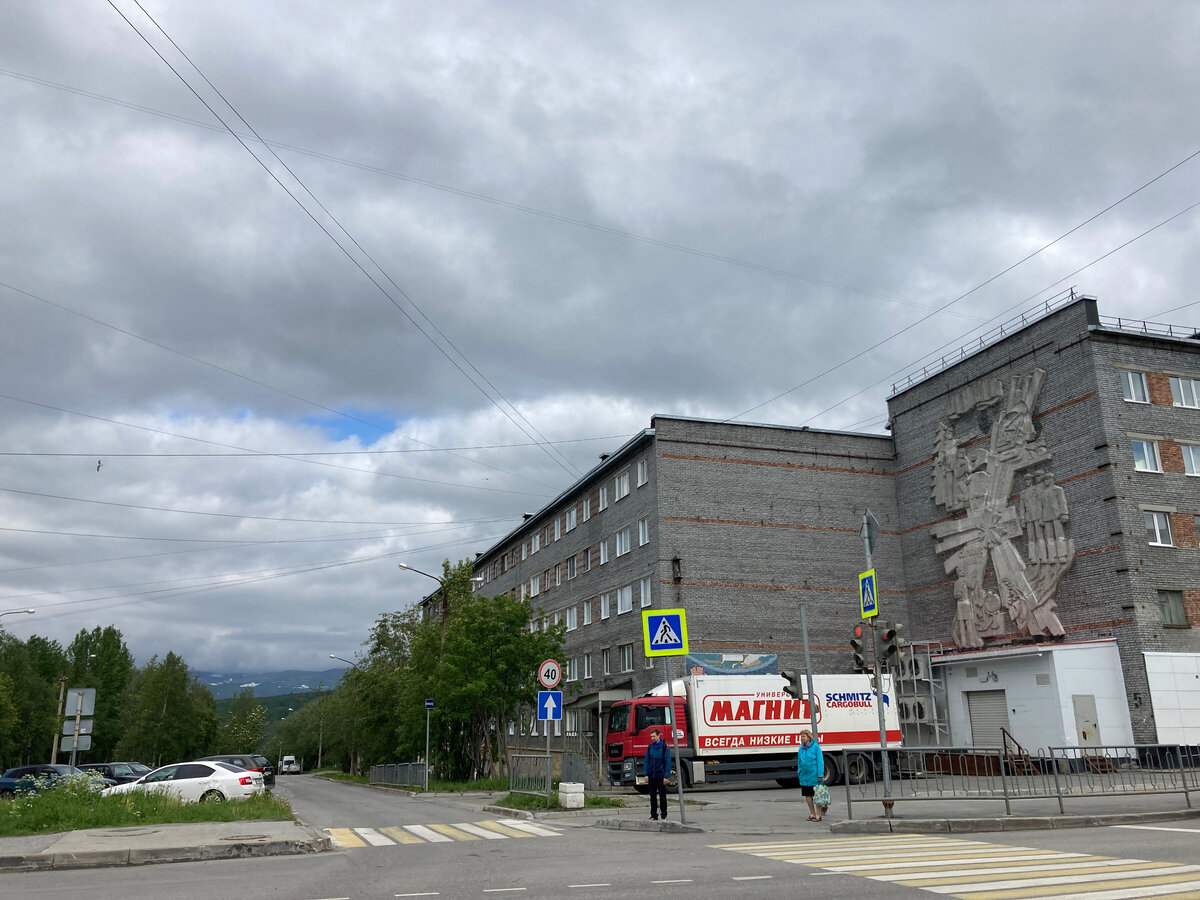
x=651 y=715
x=618 y=719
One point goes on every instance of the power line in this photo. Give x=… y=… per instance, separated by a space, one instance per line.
x=561 y=460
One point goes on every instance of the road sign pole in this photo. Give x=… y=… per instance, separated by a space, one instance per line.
x=427 y=748
x=812 y=697
x=674 y=739
x=869 y=529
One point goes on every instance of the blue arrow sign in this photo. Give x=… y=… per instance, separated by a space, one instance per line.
x=550 y=705
x=429 y=703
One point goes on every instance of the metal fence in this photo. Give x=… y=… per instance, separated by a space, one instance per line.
x=406 y=774
x=1057 y=773
x=530 y=774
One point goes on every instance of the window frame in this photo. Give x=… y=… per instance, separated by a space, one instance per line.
x=1191 y=458
x=605 y=605
x=1178 y=398
x=622 y=538
x=602 y=499
x=1173 y=613
x=621 y=487
x=1155 y=534
x=587 y=612
x=606 y=661
x=624 y=599
x=587 y=666
x=1130 y=386
x=644 y=588
x=626 y=651
x=604 y=551
x=643 y=531
x=1149 y=448
x=535 y=584
x=643 y=470
x=571 y=618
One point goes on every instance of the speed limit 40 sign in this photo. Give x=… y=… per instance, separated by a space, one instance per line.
x=550 y=673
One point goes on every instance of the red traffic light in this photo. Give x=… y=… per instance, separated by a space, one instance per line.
x=859 y=630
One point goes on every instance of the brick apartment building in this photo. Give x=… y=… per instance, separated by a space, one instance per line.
x=1038 y=502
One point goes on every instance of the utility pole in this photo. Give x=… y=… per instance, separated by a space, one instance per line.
x=870 y=529
x=62 y=698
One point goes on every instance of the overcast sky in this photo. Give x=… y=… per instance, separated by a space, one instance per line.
x=224 y=419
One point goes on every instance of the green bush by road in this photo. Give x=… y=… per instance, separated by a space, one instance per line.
x=75 y=805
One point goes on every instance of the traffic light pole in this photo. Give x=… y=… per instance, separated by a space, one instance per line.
x=813 y=703
x=867 y=537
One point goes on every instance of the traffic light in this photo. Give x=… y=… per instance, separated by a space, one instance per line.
x=792 y=688
x=890 y=641
x=858 y=644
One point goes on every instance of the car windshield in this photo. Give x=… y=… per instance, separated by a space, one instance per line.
x=618 y=719
x=139 y=769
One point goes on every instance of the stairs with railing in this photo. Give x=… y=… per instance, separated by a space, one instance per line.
x=1016 y=757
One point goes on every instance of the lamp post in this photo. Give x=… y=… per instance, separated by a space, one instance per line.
x=477 y=579
x=343 y=659
x=353 y=728
x=13 y=612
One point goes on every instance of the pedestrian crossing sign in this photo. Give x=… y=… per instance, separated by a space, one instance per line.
x=868 y=597
x=665 y=632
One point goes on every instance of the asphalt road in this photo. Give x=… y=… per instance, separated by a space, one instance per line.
x=740 y=858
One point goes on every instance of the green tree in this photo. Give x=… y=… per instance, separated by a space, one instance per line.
x=243 y=730
x=100 y=659
x=9 y=720
x=34 y=667
x=170 y=716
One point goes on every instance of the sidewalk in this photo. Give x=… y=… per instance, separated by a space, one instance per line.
x=721 y=813
x=143 y=845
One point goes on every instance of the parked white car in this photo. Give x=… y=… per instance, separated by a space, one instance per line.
x=200 y=782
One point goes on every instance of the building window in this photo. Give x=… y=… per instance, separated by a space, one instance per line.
x=642 y=469
x=649 y=662
x=571 y=670
x=1171 y=605
x=1191 y=458
x=605 y=662
x=535 y=543
x=645 y=592
x=605 y=602
x=535 y=585
x=524 y=590
x=585 y=561
x=1185 y=391
x=1133 y=386
x=626 y=657
x=625 y=599
x=643 y=532
x=570 y=567
x=1158 y=528
x=587 y=508
x=524 y=549
x=1145 y=456
x=604 y=551
x=621 y=486
x=587 y=665
x=587 y=612
x=603 y=504
x=571 y=515
x=557 y=527
x=572 y=618
x=622 y=542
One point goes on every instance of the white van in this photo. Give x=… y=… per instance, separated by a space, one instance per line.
x=289 y=766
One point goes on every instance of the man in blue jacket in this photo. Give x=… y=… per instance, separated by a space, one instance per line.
x=657 y=766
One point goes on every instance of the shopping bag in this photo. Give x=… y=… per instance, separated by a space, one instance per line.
x=821 y=795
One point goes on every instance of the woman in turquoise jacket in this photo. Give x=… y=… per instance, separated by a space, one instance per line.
x=810 y=769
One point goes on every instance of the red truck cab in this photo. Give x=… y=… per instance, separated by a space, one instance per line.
x=628 y=735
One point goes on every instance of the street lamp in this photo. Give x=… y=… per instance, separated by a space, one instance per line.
x=13 y=612
x=477 y=579
x=343 y=659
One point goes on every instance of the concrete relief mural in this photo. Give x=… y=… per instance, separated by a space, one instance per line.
x=975 y=474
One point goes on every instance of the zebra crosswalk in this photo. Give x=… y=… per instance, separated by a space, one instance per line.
x=976 y=870
x=487 y=830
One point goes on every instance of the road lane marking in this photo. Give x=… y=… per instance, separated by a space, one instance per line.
x=479 y=831
x=976 y=870
x=454 y=832
x=597 y=884
x=373 y=837
x=422 y=894
x=1160 y=828
x=752 y=877
x=504 y=829
x=345 y=837
x=530 y=827
x=427 y=833
x=400 y=836
x=673 y=881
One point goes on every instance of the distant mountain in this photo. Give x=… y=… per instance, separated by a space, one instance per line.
x=267 y=684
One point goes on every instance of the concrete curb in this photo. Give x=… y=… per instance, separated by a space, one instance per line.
x=630 y=824
x=1007 y=823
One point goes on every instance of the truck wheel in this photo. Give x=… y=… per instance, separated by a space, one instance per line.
x=859 y=769
x=833 y=769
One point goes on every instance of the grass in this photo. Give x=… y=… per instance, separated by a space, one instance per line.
x=532 y=802
x=75 y=804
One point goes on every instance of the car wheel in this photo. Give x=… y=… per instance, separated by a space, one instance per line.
x=212 y=797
